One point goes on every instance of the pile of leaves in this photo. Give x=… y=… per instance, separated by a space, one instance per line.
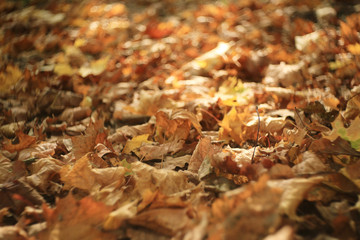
x=180 y=119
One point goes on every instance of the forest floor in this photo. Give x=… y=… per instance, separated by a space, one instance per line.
x=180 y=119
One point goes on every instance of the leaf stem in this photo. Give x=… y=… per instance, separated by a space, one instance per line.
x=257 y=135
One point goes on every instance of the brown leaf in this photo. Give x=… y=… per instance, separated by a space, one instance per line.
x=337 y=147
x=71 y=115
x=82 y=176
x=43 y=174
x=95 y=133
x=175 y=125
x=159 y=30
x=152 y=200
x=150 y=152
x=172 y=163
x=294 y=192
x=18 y=194
x=167 y=221
x=72 y=219
x=5 y=169
x=203 y=149
x=24 y=142
x=309 y=163
x=12 y=233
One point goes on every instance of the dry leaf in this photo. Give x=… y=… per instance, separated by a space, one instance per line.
x=136 y=143
x=294 y=192
x=309 y=163
x=167 y=221
x=95 y=133
x=9 y=78
x=72 y=219
x=116 y=218
x=83 y=176
x=151 y=152
x=203 y=149
x=174 y=125
x=5 y=169
x=24 y=142
x=12 y=233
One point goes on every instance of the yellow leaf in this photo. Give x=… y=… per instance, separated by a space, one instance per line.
x=351 y=134
x=354 y=48
x=135 y=143
x=63 y=69
x=96 y=67
x=79 y=42
x=9 y=78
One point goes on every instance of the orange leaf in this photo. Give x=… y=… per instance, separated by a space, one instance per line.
x=159 y=30
x=24 y=142
x=72 y=219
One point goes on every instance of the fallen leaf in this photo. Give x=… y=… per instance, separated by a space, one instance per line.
x=152 y=200
x=63 y=69
x=95 y=68
x=174 y=125
x=354 y=48
x=167 y=221
x=172 y=163
x=158 y=30
x=309 y=163
x=284 y=75
x=72 y=219
x=5 y=169
x=351 y=134
x=203 y=149
x=95 y=133
x=294 y=192
x=9 y=78
x=116 y=218
x=12 y=233
x=43 y=176
x=18 y=194
x=151 y=152
x=71 y=115
x=83 y=176
x=135 y=143
x=24 y=142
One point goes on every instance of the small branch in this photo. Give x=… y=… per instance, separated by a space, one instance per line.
x=210 y=114
x=257 y=135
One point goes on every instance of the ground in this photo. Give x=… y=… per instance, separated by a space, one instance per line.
x=179 y=119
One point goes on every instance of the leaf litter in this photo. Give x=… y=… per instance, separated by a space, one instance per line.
x=140 y=120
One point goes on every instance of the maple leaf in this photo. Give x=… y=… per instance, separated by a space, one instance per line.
x=135 y=143
x=83 y=176
x=351 y=134
x=72 y=219
x=175 y=125
x=203 y=149
x=24 y=142
x=95 y=133
x=44 y=172
x=150 y=151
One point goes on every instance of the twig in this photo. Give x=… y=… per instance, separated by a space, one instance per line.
x=257 y=135
x=211 y=115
